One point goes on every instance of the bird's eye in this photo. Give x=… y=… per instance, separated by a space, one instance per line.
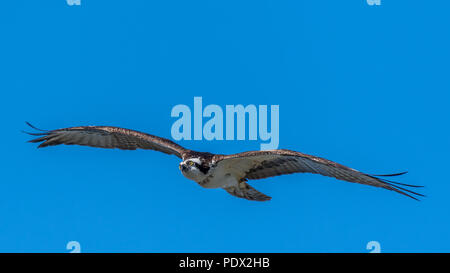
x=190 y=163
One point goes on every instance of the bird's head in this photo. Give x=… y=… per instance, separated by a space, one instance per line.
x=194 y=169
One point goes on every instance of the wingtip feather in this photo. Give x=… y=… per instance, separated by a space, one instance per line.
x=34 y=127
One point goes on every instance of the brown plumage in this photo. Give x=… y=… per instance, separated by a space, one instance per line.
x=263 y=164
x=229 y=172
x=106 y=137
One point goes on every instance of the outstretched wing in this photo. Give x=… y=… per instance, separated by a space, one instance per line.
x=262 y=164
x=106 y=137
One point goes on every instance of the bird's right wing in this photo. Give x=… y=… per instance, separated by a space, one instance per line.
x=106 y=137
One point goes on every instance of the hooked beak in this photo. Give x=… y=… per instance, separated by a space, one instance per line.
x=182 y=167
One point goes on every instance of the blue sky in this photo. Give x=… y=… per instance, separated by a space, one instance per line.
x=366 y=86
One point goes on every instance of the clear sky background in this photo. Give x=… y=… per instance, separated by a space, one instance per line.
x=366 y=86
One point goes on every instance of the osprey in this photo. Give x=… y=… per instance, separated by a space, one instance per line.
x=229 y=172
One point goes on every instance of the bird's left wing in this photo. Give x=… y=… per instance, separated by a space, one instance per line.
x=106 y=137
x=262 y=164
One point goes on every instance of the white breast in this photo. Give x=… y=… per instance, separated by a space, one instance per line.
x=219 y=177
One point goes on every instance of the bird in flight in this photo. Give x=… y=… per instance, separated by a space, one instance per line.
x=229 y=172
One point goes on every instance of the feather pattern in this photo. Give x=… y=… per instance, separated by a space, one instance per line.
x=106 y=137
x=262 y=164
